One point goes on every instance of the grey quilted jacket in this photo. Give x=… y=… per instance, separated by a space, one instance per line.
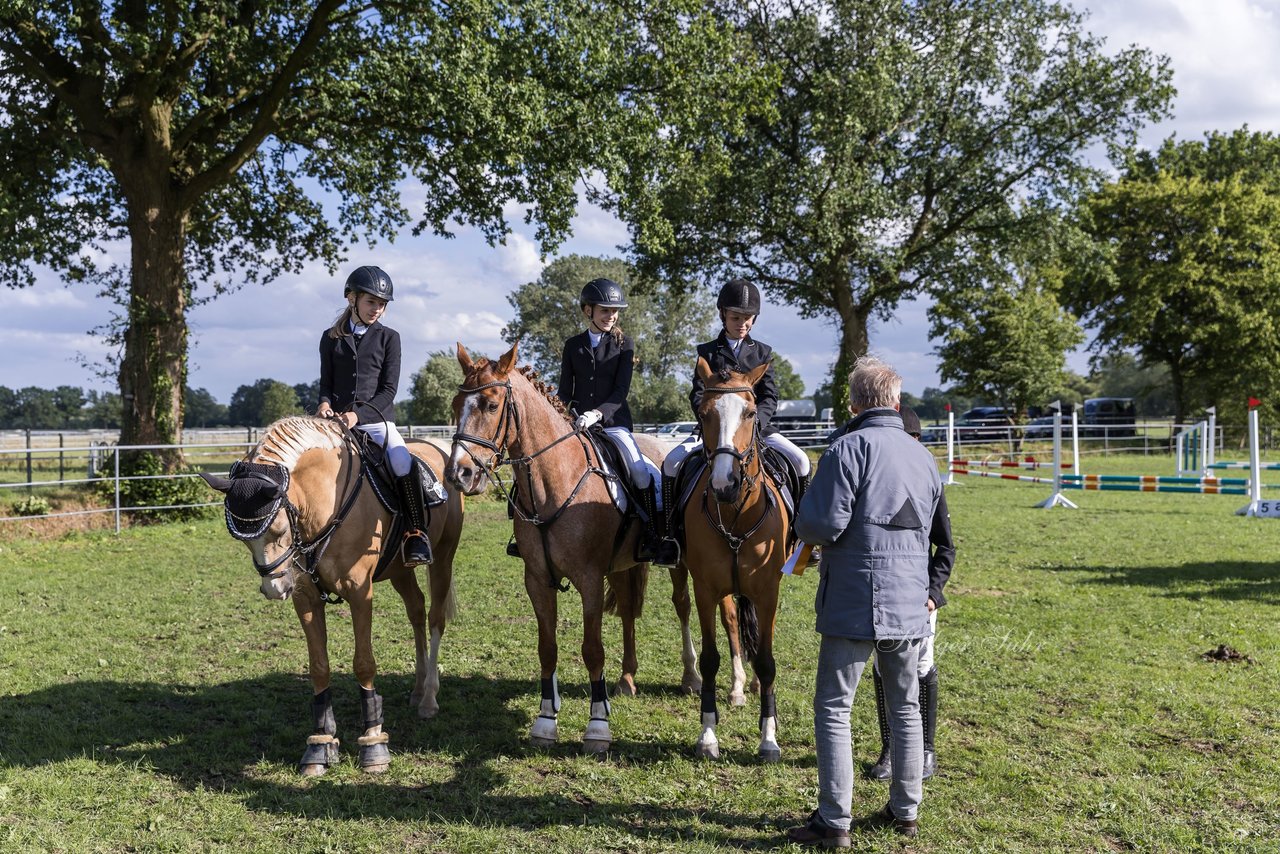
x=870 y=507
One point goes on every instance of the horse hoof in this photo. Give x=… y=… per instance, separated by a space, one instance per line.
x=625 y=688
x=595 y=746
x=691 y=686
x=708 y=751
x=374 y=755
x=737 y=699
x=770 y=753
x=545 y=732
x=313 y=770
x=428 y=711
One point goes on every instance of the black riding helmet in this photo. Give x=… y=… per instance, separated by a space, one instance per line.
x=370 y=280
x=605 y=293
x=739 y=295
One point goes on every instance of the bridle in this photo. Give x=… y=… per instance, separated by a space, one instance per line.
x=312 y=549
x=499 y=444
x=745 y=459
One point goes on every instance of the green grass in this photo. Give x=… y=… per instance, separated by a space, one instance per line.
x=152 y=700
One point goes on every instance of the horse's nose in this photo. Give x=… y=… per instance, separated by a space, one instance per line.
x=459 y=475
x=729 y=493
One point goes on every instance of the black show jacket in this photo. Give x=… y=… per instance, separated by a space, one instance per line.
x=604 y=383
x=361 y=377
x=751 y=355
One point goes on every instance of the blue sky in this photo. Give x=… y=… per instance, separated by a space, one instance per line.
x=1226 y=70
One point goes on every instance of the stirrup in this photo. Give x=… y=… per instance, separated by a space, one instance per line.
x=513 y=548
x=416 y=549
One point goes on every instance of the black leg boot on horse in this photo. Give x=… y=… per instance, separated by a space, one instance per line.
x=883 y=769
x=374 y=755
x=929 y=720
x=417 y=547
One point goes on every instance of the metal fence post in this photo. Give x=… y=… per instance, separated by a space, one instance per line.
x=28 y=456
x=61 y=445
x=117 y=458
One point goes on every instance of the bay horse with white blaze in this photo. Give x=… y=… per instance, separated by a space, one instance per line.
x=567 y=527
x=736 y=525
x=302 y=502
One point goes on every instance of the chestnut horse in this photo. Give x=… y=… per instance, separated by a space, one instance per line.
x=315 y=531
x=566 y=525
x=736 y=527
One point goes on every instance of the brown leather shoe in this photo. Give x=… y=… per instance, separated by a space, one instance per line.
x=886 y=818
x=818 y=833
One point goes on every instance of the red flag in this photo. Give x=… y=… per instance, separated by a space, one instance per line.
x=1253 y=401
x=948 y=407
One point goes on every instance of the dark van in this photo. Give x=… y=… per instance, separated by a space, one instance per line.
x=1112 y=417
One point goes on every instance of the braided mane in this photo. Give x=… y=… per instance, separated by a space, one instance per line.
x=287 y=439
x=548 y=391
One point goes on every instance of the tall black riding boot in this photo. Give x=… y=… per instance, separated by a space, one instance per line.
x=651 y=534
x=668 y=552
x=929 y=720
x=416 y=549
x=883 y=769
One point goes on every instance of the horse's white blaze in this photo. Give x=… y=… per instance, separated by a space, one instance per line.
x=730 y=407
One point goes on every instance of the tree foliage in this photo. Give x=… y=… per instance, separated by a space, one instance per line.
x=664 y=323
x=200 y=132
x=790 y=384
x=901 y=142
x=1189 y=269
x=1006 y=342
x=264 y=401
x=433 y=388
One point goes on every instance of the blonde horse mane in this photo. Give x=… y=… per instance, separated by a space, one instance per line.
x=287 y=439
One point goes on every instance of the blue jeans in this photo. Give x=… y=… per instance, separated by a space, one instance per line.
x=840 y=665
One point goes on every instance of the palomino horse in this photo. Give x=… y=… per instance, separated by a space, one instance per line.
x=735 y=545
x=299 y=502
x=566 y=525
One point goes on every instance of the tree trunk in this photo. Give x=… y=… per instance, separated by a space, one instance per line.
x=153 y=371
x=853 y=343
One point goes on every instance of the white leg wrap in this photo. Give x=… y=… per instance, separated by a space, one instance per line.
x=597 y=738
x=545 y=730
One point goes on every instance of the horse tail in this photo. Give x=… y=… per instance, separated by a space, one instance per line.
x=748 y=627
x=637 y=580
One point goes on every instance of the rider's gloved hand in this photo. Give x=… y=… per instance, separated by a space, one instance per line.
x=586 y=419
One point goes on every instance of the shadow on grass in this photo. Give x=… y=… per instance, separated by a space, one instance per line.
x=218 y=738
x=1256 y=581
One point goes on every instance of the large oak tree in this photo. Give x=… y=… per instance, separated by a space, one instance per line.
x=231 y=141
x=903 y=144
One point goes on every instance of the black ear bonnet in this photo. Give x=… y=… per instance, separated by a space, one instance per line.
x=254 y=498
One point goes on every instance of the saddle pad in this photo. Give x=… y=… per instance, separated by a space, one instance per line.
x=611 y=461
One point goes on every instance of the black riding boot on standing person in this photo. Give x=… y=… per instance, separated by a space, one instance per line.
x=883 y=769
x=416 y=549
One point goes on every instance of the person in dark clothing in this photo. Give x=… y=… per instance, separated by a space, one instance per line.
x=359 y=375
x=595 y=379
x=734 y=349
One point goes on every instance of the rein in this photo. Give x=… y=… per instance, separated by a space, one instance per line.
x=498 y=444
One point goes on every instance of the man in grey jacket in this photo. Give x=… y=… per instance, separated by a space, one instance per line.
x=870 y=507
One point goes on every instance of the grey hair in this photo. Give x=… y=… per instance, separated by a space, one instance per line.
x=873 y=383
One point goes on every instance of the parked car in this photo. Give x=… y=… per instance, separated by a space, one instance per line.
x=1042 y=428
x=676 y=432
x=985 y=424
x=1113 y=417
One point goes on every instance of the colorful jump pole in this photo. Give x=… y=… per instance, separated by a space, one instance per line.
x=1255 y=464
x=951 y=447
x=1057 y=498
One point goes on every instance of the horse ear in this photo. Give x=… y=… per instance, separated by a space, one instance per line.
x=756 y=373
x=464 y=358
x=703 y=369
x=508 y=360
x=221 y=484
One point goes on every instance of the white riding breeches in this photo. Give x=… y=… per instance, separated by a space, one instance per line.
x=642 y=470
x=384 y=434
x=678 y=453
x=799 y=459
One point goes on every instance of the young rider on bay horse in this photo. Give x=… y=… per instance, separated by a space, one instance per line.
x=359 y=373
x=595 y=379
x=735 y=349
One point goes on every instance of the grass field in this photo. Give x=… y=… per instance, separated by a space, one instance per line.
x=152 y=700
